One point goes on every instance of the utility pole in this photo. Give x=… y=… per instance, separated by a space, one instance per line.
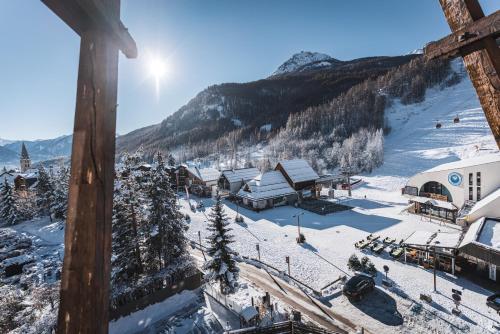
x=346 y=172
x=287 y=259
x=435 y=265
x=299 y=240
x=201 y=248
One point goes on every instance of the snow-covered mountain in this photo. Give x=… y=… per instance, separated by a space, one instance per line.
x=39 y=150
x=304 y=61
x=5 y=141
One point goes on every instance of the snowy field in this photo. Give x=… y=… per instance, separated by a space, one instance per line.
x=413 y=145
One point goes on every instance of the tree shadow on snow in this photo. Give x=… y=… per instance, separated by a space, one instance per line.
x=380 y=306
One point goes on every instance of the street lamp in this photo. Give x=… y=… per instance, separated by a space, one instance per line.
x=299 y=240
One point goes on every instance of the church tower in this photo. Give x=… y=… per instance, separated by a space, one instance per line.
x=25 y=159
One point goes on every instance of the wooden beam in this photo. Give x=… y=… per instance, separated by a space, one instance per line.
x=465 y=40
x=85 y=279
x=81 y=15
x=483 y=65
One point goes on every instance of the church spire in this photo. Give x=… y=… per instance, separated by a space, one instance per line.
x=25 y=159
x=24 y=152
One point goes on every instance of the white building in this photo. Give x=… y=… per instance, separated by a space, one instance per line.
x=462 y=183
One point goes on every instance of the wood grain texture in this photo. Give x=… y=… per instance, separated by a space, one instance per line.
x=483 y=65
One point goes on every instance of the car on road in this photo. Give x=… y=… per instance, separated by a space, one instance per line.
x=358 y=286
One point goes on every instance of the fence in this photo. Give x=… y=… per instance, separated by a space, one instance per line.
x=188 y=283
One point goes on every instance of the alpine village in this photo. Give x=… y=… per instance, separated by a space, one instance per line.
x=300 y=193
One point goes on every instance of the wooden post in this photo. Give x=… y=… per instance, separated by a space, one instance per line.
x=474 y=38
x=86 y=270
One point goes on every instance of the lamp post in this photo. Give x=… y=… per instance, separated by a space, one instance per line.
x=299 y=240
x=435 y=265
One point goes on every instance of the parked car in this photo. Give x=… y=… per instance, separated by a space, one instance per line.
x=493 y=301
x=358 y=286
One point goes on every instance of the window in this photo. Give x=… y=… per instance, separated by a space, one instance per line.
x=478 y=193
x=478 y=179
x=470 y=179
x=471 y=194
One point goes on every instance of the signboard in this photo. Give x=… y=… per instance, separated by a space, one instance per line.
x=455 y=179
x=493 y=272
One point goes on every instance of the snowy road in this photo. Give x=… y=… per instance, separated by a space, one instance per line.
x=291 y=296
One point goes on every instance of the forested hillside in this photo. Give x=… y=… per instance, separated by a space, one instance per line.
x=258 y=109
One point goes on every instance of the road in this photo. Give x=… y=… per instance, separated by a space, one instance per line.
x=292 y=296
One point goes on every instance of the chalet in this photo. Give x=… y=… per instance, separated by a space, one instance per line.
x=231 y=181
x=301 y=177
x=26 y=180
x=451 y=190
x=481 y=247
x=267 y=190
x=201 y=181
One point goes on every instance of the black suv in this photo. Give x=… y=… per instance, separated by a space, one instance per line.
x=358 y=285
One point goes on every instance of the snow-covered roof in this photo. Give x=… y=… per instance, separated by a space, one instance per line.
x=205 y=174
x=490 y=234
x=485 y=201
x=482 y=240
x=298 y=170
x=268 y=185
x=485 y=231
x=434 y=202
x=236 y=175
x=248 y=313
x=439 y=239
x=480 y=160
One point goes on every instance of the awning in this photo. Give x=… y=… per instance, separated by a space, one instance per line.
x=433 y=202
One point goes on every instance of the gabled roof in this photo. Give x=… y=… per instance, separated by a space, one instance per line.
x=204 y=174
x=236 y=175
x=298 y=170
x=480 y=160
x=268 y=185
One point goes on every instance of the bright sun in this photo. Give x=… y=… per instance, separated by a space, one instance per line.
x=157 y=69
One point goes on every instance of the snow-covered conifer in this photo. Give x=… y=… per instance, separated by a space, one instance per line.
x=167 y=241
x=222 y=267
x=9 y=211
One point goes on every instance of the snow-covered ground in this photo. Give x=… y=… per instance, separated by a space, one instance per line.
x=413 y=145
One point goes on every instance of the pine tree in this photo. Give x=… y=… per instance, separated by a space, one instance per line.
x=126 y=260
x=167 y=225
x=59 y=205
x=129 y=219
x=8 y=208
x=222 y=267
x=44 y=192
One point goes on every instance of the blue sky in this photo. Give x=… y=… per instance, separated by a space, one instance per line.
x=204 y=42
